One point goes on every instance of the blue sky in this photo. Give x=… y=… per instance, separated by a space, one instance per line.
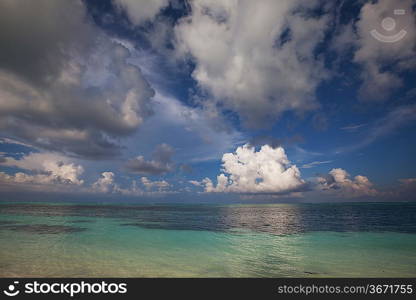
x=197 y=100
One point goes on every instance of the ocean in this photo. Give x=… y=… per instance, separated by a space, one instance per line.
x=207 y=240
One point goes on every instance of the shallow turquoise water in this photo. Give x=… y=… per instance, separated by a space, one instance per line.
x=372 y=240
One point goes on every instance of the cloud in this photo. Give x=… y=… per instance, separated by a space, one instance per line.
x=353 y=128
x=300 y=154
x=42 y=172
x=338 y=183
x=381 y=62
x=36 y=179
x=53 y=172
x=265 y=171
x=394 y=120
x=195 y=182
x=196 y=133
x=140 y=11
x=408 y=181
x=70 y=89
x=268 y=171
x=48 y=168
x=261 y=140
x=160 y=164
x=406 y=190
x=11 y=141
x=315 y=163
x=255 y=58
x=158 y=185
x=106 y=184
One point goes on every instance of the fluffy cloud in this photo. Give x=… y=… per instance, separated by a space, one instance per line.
x=195 y=182
x=256 y=58
x=48 y=168
x=52 y=172
x=381 y=62
x=265 y=171
x=70 y=89
x=160 y=164
x=140 y=11
x=339 y=183
x=158 y=185
x=268 y=171
x=106 y=184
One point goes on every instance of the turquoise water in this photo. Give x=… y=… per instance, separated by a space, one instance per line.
x=321 y=240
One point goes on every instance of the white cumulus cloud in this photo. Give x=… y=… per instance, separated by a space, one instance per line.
x=265 y=171
x=255 y=57
x=46 y=168
x=106 y=184
x=160 y=185
x=338 y=181
x=140 y=11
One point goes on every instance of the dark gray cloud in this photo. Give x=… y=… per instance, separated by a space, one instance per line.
x=31 y=37
x=65 y=85
x=161 y=162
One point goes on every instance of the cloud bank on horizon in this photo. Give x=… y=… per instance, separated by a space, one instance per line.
x=268 y=98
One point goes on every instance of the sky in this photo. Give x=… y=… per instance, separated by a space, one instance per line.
x=208 y=100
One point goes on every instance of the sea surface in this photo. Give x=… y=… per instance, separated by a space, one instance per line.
x=180 y=240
